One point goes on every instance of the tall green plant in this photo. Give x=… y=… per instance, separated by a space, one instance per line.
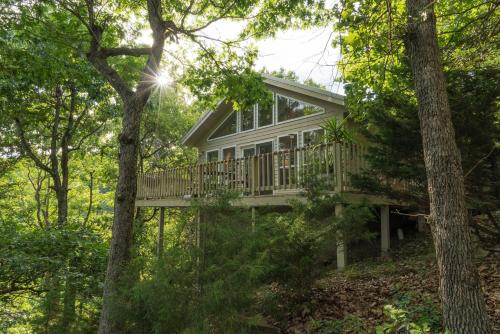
x=336 y=131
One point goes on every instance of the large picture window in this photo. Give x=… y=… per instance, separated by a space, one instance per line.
x=289 y=109
x=265 y=114
x=247 y=119
x=228 y=127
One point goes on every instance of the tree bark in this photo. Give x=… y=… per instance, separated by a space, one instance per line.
x=134 y=102
x=121 y=241
x=70 y=292
x=464 y=310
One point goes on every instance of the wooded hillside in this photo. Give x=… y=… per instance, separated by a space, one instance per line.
x=93 y=92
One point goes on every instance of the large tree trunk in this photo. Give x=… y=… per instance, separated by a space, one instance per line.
x=134 y=102
x=464 y=310
x=121 y=241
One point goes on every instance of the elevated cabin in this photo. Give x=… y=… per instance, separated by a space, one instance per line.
x=267 y=150
x=266 y=153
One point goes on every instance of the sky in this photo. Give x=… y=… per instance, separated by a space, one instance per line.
x=308 y=53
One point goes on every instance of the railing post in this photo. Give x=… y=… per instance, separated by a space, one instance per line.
x=255 y=175
x=200 y=180
x=338 y=167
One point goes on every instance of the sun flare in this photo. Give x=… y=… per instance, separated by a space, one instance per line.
x=163 y=79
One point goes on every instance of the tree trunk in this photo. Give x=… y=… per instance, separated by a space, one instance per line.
x=121 y=241
x=464 y=310
x=70 y=291
x=62 y=206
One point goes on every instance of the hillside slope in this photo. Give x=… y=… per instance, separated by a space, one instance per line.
x=353 y=301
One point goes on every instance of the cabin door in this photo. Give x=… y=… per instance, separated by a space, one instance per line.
x=266 y=165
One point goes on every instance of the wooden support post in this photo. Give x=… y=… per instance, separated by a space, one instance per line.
x=198 y=228
x=421 y=223
x=341 y=246
x=385 y=231
x=161 y=228
x=253 y=219
x=198 y=245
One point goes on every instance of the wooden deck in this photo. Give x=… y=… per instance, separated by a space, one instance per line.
x=267 y=179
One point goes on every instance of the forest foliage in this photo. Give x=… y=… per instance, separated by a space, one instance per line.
x=59 y=127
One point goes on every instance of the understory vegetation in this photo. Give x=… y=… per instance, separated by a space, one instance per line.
x=217 y=265
x=95 y=92
x=223 y=271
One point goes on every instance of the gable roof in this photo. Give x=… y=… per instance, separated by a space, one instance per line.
x=210 y=119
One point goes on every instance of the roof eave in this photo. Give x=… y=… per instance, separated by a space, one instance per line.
x=186 y=140
x=304 y=89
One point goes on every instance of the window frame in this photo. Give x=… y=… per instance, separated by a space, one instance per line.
x=218 y=155
x=273 y=111
x=311 y=130
x=323 y=110
x=226 y=147
x=247 y=147
x=271 y=140
x=287 y=135
x=222 y=123
x=240 y=127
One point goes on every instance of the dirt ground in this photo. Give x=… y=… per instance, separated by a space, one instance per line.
x=359 y=293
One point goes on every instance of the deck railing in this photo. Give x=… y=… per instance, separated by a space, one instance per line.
x=333 y=163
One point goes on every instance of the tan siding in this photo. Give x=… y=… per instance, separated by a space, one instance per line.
x=272 y=132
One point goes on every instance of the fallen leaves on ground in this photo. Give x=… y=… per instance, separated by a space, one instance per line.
x=364 y=288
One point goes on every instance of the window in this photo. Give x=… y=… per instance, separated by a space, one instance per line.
x=248 y=152
x=213 y=156
x=227 y=127
x=264 y=148
x=313 y=137
x=289 y=108
x=286 y=159
x=247 y=120
x=288 y=142
x=265 y=114
x=229 y=153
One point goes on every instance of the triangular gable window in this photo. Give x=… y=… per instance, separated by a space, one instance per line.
x=228 y=127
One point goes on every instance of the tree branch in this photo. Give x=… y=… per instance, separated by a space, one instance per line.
x=123 y=51
x=53 y=139
x=480 y=161
x=91 y=192
x=96 y=57
x=28 y=150
x=82 y=140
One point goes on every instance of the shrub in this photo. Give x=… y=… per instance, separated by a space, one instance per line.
x=411 y=314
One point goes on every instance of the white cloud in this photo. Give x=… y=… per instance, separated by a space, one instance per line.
x=308 y=53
